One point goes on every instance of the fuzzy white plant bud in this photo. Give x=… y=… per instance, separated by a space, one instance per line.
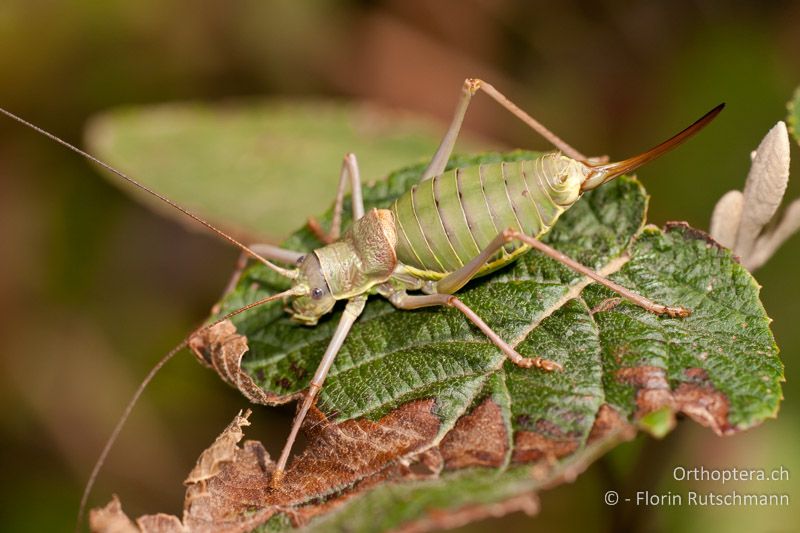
x=740 y=218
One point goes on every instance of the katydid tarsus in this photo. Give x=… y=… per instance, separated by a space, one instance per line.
x=447 y=229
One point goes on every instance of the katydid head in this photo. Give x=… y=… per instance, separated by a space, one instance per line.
x=602 y=173
x=364 y=257
x=318 y=299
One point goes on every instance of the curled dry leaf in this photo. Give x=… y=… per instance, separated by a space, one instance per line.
x=423 y=423
x=746 y=221
x=221 y=348
x=111 y=518
x=222 y=451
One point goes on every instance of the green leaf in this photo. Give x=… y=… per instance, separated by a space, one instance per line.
x=726 y=336
x=793 y=119
x=430 y=370
x=261 y=167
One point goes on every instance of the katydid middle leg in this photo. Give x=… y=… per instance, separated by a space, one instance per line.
x=460 y=277
x=349 y=173
x=470 y=87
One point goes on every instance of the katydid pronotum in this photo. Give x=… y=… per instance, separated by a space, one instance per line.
x=446 y=230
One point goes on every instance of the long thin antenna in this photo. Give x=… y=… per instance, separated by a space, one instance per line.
x=294 y=291
x=282 y=271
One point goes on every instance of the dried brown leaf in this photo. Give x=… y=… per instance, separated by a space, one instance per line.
x=608 y=422
x=160 y=523
x=697 y=398
x=478 y=439
x=220 y=452
x=220 y=347
x=111 y=519
x=229 y=489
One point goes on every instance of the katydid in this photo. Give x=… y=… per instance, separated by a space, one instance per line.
x=449 y=228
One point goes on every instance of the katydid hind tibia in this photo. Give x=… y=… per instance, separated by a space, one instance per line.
x=446 y=230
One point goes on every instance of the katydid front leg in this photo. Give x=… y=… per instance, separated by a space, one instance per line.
x=351 y=312
x=349 y=173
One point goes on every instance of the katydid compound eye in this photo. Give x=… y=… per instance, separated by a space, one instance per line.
x=316 y=293
x=300 y=260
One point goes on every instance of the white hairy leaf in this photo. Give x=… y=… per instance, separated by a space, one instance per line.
x=764 y=188
x=726 y=218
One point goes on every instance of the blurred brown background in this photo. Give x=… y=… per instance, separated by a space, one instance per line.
x=95 y=287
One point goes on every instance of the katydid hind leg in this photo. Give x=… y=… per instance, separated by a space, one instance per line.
x=451 y=283
x=455 y=280
x=402 y=300
x=531 y=122
x=349 y=173
x=468 y=90
x=445 y=149
x=351 y=312
x=628 y=294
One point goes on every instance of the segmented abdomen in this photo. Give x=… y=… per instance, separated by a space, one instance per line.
x=444 y=222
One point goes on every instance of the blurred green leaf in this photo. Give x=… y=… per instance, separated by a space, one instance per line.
x=259 y=168
x=427 y=387
x=793 y=120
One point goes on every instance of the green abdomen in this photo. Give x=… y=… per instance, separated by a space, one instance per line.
x=444 y=222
